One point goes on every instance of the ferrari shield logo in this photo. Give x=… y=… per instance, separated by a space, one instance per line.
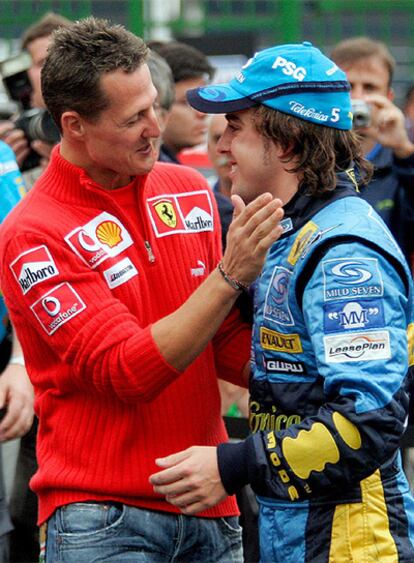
x=166 y=213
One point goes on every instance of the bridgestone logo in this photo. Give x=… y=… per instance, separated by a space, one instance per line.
x=120 y=273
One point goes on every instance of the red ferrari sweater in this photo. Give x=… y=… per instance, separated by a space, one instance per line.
x=85 y=272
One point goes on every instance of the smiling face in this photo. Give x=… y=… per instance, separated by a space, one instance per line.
x=122 y=142
x=255 y=160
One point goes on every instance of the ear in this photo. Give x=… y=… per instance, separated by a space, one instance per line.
x=72 y=125
x=390 y=94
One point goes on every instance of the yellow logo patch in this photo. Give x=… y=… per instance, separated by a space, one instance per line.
x=166 y=213
x=410 y=338
x=272 y=340
x=301 y=241
x=310 y=451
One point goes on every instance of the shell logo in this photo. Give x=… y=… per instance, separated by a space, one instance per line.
x=109 y=233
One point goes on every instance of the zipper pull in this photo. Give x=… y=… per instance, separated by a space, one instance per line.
x=150 y=253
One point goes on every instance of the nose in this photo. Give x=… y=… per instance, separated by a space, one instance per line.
x=223 y=144
x=357 y=91
x=153 y=129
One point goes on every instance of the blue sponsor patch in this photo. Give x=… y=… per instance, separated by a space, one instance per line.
x=349 y=315
x=286 y=225
x=276 y=307
x=351 y=279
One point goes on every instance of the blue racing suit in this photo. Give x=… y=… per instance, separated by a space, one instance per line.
x=332 y=345
x=11 y=192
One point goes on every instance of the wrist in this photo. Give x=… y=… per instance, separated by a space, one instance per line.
x=231 y=281
x=17 y=360
x=405 y=150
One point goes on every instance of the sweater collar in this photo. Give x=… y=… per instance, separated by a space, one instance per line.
x=71 y=184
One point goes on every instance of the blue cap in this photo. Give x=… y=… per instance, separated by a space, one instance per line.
x=294 y=79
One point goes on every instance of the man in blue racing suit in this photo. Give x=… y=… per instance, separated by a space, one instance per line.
x=333 y=329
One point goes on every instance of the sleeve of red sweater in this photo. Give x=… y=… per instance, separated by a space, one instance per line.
x=233 y=339
x=103 y=343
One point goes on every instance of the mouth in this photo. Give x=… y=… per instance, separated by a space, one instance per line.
x=233 y=168
x=146 y=149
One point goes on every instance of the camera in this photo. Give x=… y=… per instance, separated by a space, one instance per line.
x=37 y=124
x=361 y=113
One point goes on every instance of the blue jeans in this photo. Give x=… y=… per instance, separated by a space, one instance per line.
x=88 y=532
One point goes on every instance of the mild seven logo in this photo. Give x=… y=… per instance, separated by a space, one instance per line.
x=350 y=279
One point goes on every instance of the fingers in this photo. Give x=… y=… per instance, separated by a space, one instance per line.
x=244 y=212
x=18 y=419
x=238 y=205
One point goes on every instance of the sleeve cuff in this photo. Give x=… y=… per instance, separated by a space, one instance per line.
x=232 y=462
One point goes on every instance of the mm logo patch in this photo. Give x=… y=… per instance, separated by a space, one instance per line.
x=348 y=315
x=57 y=307
x=181 y=213
x=272 y=340
x=32 y=267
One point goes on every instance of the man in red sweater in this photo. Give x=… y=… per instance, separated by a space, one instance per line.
x=111 y=271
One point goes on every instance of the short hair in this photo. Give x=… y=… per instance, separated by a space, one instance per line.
x=185 y=61
x=162 y=79
x=44 y=27
x=78 y=57
x=318 y=152
x=355 y=49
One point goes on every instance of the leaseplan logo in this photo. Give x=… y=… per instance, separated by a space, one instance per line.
x=32 y=267
x=57 y=307
x=357 y=347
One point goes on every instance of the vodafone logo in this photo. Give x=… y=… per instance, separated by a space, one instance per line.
x=99 y=239
x=57 y=307
x=51 y=305
x=32 y=267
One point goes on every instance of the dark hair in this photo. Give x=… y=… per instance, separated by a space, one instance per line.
x=185 y=61
x=77 y=58
x=162 y=79
x=319 y=152
x=44 y=27
x=355 y=49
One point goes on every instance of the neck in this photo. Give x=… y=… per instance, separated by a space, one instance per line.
x=224 y=187
x=107 y=179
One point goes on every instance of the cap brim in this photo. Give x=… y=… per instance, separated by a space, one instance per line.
x=220 y=98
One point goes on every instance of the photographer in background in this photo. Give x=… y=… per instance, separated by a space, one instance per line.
x=35 y=41
x=369 y=67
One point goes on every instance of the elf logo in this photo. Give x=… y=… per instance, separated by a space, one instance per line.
x=289 y=68
x=32 y=267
